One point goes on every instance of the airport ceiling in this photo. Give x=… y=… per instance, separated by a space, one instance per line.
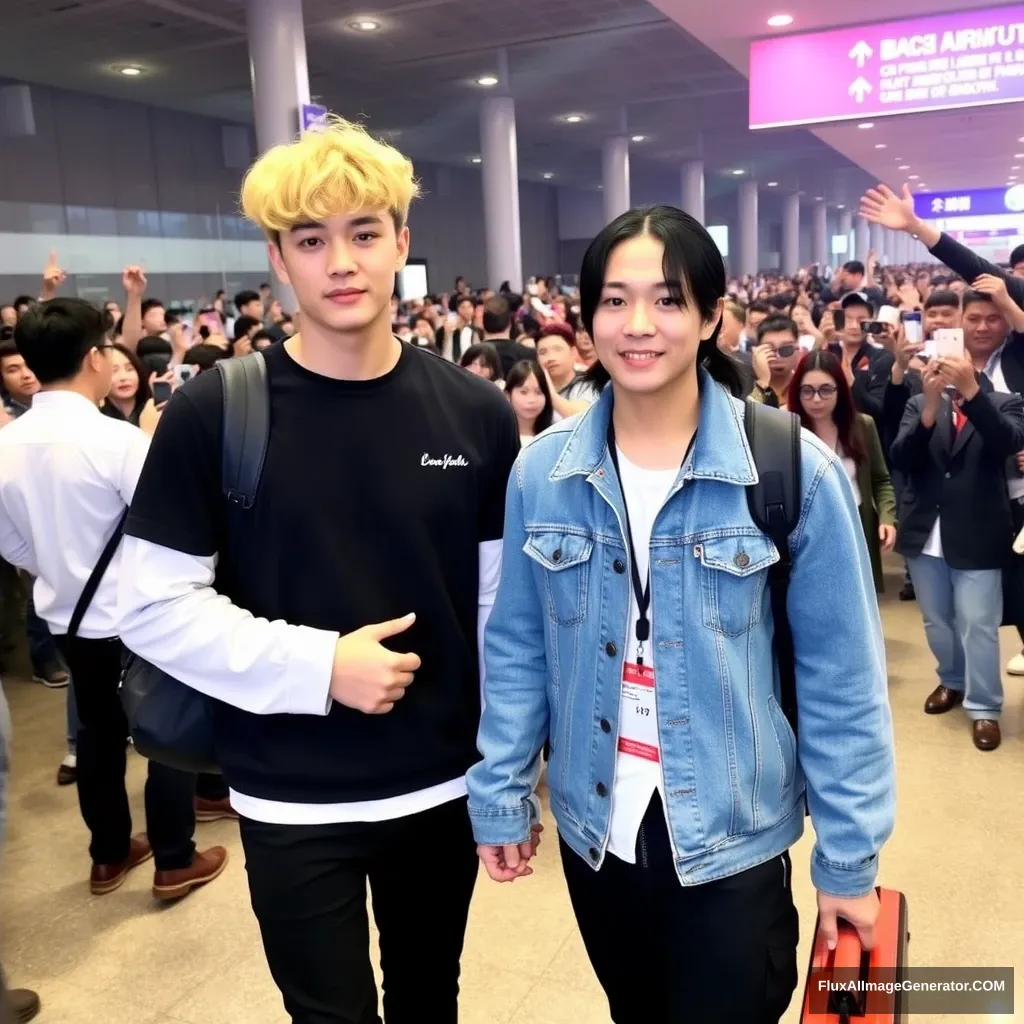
x=415 y=77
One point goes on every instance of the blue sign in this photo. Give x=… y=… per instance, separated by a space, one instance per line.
x=314 y=117
x=976 y=202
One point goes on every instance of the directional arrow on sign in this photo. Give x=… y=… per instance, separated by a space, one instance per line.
x=860 y=89
x=860 y=53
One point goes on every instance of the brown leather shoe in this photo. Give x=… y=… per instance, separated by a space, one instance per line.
x=108 y=877
x=214 y=810
x=24 y=1004
x=986 y=734
x=943 y=699
x=205 y=867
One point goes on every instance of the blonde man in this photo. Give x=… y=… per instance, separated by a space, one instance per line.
x=337 y=621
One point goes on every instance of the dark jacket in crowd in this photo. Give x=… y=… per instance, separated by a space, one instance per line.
x=510 y=353
x=960 y=477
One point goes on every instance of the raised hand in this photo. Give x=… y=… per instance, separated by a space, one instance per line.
x=882 y=206
x=134 y=281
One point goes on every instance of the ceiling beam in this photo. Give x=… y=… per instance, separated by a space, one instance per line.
x=224 y=24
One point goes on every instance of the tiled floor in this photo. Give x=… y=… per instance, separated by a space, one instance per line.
x=958 y=853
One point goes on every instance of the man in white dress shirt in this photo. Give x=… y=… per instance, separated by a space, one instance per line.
x=67 y=474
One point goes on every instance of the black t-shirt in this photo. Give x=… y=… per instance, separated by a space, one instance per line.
x=511 y=352
x=374 y=498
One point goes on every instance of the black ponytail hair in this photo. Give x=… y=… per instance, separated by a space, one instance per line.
x=694 y=271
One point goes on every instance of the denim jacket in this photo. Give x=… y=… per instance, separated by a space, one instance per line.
x=734 y=780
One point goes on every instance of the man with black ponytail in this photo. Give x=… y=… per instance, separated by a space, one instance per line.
x=632 y=632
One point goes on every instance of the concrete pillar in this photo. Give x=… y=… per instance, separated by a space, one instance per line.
x=280 y=81
x=877 y=240
x=790 y=256
x=693 y=189
x=615 y=176
x=861 y=240
x=819 y=234
x=748 y=257
x=500 y=169
x=846 y=228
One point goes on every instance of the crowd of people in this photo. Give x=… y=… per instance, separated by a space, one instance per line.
x=503 y=602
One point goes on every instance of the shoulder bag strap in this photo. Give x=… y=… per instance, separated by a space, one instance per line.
x=93 y=582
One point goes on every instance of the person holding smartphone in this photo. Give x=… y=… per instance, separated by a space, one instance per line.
x=775 y=360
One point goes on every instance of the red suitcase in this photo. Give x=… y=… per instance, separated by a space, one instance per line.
x=848 y=965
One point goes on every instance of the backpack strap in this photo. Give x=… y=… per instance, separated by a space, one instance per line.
x=93 y=582
x=246 y=426
x=774 y=503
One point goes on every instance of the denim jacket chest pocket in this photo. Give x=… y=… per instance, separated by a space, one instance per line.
x=563 y=559
x=733 y=575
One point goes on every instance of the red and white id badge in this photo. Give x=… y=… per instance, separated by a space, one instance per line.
x=638 y=720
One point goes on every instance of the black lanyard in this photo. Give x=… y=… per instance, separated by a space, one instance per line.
x=641 y=591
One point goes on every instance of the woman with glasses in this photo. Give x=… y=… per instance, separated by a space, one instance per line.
x=822 y=398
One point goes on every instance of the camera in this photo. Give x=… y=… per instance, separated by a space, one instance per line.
x=873 y=327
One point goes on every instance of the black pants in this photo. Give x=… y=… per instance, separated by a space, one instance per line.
x=668 y=954
x=95 y=667
x=308 y=888
x=211 y=787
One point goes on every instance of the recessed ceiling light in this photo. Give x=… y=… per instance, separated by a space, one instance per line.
x=904 y=167
x=1021 y=139
x=365 y=25
x=819 y=199
x=1018 y=156
x=780 y=20
x=866 y=124
x=547 y=175
x=1015 y=167
x=1012 y=177
x=131 y=71
x=841 y=206
x=476 y=160
x=881 y=145
x=639 y=138
x=913 y=177
x=738 y=172
x=773 y=184
x=487 y=80
x=573 y=118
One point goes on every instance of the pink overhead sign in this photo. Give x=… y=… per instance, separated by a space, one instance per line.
x=963 y=59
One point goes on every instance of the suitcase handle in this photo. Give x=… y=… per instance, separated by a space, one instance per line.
x=853 y=960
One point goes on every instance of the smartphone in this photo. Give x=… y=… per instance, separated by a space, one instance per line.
x=839 y=319
x=949 y=343
x=873 y=327
x=161 y=392
x=912 y=328
x=183 y=373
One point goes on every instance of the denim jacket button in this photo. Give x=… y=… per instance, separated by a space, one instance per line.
x=606 y=726
x=742 y=560
x=595 y=854
x=619 y=566
x=556 y=556
x=610 y=649
x=601 y=789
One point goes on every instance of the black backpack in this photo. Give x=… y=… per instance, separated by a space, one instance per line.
x=774 y=503
x=173 y=724
x=169 y=722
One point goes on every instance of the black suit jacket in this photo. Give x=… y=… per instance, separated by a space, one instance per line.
x=871 y=369
x=960 y=477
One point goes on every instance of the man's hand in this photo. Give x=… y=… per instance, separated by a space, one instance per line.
x=134 y=281
x=882 y=206
x=149 y=418
x=507 y=863
x=759 y=361
x=994 y=286
x=827 y=326
x=860 y=911
x=906 y=350
x=53 y=278
x=367 y=676
x=1020 y=462
x=909 y=297
x=959 y=373
x=887 y=538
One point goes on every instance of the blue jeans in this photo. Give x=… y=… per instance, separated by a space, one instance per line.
x=962 y=610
